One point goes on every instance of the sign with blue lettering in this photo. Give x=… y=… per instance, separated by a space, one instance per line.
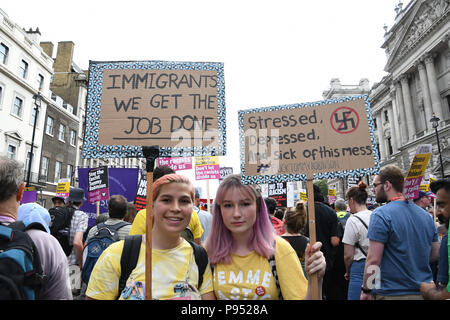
x=178 y=106
x=324 y=139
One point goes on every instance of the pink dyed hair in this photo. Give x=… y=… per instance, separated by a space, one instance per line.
x=220 y=241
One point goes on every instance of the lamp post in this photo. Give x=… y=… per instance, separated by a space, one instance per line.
x=37 y=104
x=435 y=123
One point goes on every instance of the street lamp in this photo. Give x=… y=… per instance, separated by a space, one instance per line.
x=435 y=123
x=37 y=104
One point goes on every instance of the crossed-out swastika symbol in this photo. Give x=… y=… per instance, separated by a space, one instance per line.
x=344 y=120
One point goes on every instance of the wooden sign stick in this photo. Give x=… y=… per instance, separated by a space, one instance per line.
x=150 y=153
x=312 y=232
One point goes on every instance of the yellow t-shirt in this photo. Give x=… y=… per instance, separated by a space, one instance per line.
x=250 y=277
x=138 y=226
x=170 y=269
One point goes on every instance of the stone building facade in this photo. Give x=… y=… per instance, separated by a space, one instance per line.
x=417 y=86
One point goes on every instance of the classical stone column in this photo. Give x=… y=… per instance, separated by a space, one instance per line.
x=402 y=117
x=381 y=139
x=434 y=89
x=394 y=122
x=393 y=130
x=426 y=95
x=410 y=122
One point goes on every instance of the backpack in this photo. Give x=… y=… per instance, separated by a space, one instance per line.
x=60 y=226
x=21 y=274
x=103 y=238
x=130 y=255
x=187 y=234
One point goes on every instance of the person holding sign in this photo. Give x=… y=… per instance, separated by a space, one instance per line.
x=138 y=226
x=402 y=242
x=249 y=260
x=176 y=273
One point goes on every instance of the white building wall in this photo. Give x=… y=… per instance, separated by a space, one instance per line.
x=15 y=130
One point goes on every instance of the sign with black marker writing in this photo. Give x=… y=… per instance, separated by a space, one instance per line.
x=327 y=139
x=179 y=106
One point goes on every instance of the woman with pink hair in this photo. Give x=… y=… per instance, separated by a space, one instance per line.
x=249 y=261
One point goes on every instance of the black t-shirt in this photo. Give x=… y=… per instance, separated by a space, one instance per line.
x=326 y=227
x=298 y=243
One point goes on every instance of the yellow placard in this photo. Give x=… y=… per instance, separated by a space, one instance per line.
x=424 y=187
x=207 y=160
x=303 y=196
x=63 y=187
x=418 y=165
x=332 y=192
x=30 y=188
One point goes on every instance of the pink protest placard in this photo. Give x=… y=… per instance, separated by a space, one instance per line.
x=207 y=172
x=180 y=163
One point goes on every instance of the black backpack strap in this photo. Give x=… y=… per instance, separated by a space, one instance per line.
x=129 y=259
x=357 y=245
x=201 y=259
x=362 y=221
x=273 y=266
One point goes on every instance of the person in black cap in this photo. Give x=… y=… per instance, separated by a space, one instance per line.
x=423 y=200
x=58 y=202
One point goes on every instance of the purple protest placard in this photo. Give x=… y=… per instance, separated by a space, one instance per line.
x=29 y=196
x=98 y=184
x=122 y=181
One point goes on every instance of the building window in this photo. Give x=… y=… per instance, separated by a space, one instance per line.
x=34 y=114
x=40 y=81
x=391 y=151
x=27 y=161
x=12 y=152
x=375 y=123
x=73 y=137
x=386 y=116
x=17 y=107
x=57 y=171
x=62 y=132
x=49 y=127
x=69 y=172
x=23 y=69
x=4 y=50
x=44 y=167
x=1 y=97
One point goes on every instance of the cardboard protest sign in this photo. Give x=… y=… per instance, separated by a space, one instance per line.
x=98 y=184
x=278 y=191
x=179 y=163
x=179 y=106
x=416 y=171
x=207 y=168
x=326 y=139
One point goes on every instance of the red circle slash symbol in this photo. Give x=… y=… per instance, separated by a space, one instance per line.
x=344 y=120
